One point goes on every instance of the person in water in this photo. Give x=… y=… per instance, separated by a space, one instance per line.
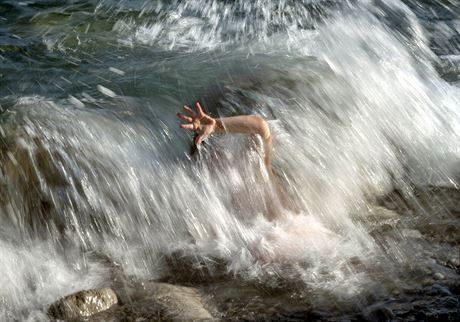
x=276 y=199
x=290 y=236
x=204 y=125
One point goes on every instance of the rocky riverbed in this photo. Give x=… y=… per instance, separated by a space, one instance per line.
x=425 y=220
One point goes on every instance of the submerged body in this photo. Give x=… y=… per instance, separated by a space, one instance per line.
x=204 y=125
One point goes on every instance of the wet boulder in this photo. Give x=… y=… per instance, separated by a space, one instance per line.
x=153 y=301
x=177 y=302
x=377 y=313
x=83 y=304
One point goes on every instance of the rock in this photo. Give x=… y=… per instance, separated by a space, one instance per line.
x=158 y=302
x=383 y=213
x=83 y=304
x=411 y=233
x=178 y=302
x=437 y=289
x=378 y=312
x=438 y=276
x=454 y=263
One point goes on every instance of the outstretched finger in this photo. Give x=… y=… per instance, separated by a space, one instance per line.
x=187 y=126
x=199 y=139
x=184 y=117
x=199 y=109
x=189 y=111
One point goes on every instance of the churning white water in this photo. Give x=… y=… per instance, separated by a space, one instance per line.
x=354 y=101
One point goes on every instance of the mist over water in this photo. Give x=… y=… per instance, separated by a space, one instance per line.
x=362 y=98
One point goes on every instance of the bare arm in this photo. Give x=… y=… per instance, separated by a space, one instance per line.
x=248 y=124
x=205 y=125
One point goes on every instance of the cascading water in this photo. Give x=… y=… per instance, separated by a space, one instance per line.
x=362 y=98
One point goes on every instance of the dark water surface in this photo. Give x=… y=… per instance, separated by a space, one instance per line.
x=363 y=101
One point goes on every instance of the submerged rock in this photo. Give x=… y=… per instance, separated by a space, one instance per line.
x=83 y=304
x=178 y=302
x=378 y=312
x=157 y=302
x=383 y=213
x=411 y=233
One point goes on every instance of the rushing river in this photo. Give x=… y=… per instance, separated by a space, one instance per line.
x=363 y=100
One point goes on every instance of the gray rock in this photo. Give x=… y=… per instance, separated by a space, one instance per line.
x=378 y=313
x=178 y=302
x=154 y=301
x=383 y=213
x=411 y=233
x=438 y=276
x=83 y=304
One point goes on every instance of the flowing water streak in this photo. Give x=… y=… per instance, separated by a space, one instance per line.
x=357 y=108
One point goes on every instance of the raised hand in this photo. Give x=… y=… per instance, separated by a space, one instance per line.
x=200 y=122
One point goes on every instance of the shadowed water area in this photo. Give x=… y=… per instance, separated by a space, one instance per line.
x=98 y=188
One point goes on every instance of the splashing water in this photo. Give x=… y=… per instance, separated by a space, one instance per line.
x=361 y=97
